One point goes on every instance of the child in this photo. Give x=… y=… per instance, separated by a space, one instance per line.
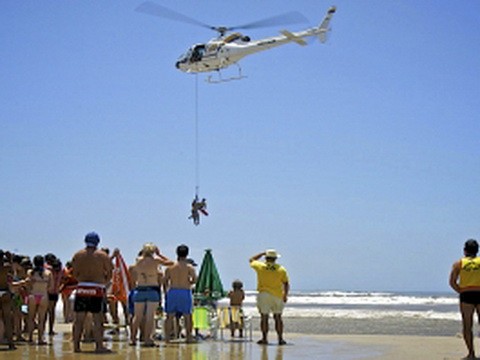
x=236 y=296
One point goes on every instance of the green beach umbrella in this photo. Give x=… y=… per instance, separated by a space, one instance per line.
x=209 y=286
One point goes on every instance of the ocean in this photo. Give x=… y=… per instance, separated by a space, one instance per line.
x=357 y=312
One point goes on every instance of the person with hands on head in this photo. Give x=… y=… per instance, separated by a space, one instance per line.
x=146 y=275
x=273 y=287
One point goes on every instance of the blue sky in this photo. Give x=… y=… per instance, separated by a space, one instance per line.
x=358 y=159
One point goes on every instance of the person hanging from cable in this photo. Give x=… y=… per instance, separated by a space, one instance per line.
x=202 y=207
x=195 y=215
x=197 y=208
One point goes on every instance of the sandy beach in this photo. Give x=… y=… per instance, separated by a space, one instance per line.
x=299 y=346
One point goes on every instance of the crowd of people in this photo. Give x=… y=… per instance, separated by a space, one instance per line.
x=88 y=288
x=29 y=292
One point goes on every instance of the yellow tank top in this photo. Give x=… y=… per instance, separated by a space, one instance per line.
x=271 y=277
x=470 y=274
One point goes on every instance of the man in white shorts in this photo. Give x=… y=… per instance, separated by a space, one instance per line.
x=273 y=287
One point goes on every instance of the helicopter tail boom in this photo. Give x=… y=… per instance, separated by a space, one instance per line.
x=292 y=37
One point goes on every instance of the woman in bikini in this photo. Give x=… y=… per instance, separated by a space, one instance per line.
x=146 y=274
x=67 y=285
x=40 y=281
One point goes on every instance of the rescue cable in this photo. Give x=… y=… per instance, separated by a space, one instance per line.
x=198 y=206
x=197 y=155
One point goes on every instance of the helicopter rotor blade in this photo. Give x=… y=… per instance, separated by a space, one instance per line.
x=151 y=8
x=292 y=17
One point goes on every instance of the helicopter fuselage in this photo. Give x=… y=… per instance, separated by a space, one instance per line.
x=222 y=52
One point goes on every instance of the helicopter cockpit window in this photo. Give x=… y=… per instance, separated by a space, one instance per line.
x=197 y=53
x=184 y=58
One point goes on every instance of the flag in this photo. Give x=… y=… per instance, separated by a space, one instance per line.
x=121 y=280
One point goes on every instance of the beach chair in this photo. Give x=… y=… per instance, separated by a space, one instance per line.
x=203 y=319
x=159 y=331
x=234 y=316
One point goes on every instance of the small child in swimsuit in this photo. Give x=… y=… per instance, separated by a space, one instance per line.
x=236 y=296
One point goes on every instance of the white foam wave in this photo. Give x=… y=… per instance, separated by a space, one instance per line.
x=319 y=313
x=374 y=299
x=365 y=305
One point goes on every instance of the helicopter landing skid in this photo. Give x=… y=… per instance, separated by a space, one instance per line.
x=220 y=79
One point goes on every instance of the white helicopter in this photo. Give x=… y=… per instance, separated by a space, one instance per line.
x=230 y=47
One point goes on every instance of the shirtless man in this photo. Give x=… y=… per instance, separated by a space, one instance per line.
x=146 y=275
x=6 y=298
x=53 y=292
x=19 y=293
x=179 y=279
x=93 y=269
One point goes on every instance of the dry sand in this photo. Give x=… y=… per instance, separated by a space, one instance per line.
x=299 y=347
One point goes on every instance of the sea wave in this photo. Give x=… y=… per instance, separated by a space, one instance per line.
x=365 y=305
x=364 y=298
x=291 y=312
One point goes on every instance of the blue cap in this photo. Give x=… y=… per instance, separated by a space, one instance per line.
x=92 y=239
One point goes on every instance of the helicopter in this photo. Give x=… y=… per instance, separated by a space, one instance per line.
x=229 y=47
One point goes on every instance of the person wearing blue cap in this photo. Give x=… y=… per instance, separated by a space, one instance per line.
x=93 y=270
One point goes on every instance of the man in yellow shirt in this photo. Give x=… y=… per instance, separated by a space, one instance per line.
x=465 y=280
x=272 y=286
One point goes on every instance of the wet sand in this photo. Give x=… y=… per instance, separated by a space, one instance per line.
x=299 y=347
